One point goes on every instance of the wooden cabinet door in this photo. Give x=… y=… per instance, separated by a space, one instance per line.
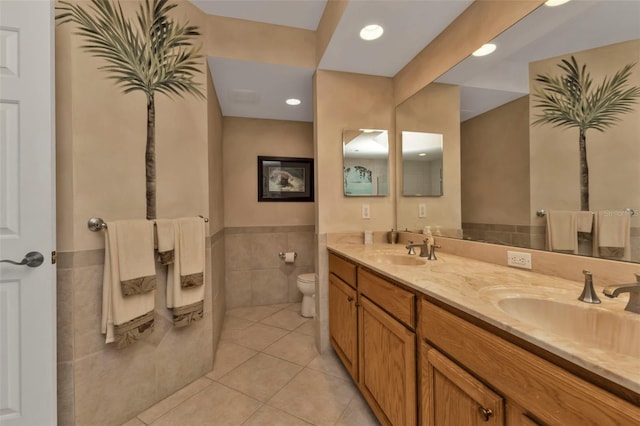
x=343 y=323
x=387 y=366
x=451 y=396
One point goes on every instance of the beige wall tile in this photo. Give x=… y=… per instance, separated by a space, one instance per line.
x=64 y=314
x=265 y=248
x=87 y=302
x=185 y=354
x=269 y=286
x=238 y=252
x=112 y=386
x=301 y=243
x=238 y=288
x=66 y=415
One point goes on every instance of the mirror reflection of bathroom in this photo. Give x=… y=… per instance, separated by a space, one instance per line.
x=365 y=162
x=421 y=164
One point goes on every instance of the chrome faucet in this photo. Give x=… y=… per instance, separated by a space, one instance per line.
x=588 y=293
x=424 y=248
x=634 y=294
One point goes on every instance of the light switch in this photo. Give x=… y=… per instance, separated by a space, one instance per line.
x=422 y=210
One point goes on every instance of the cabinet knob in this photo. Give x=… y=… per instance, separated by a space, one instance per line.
x=485 y=413
x=350 y=299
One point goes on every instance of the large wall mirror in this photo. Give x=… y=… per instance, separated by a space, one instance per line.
x=365 y=156
x=509 y=168
x=421 y=164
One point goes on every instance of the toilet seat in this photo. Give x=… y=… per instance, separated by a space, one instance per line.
x=307 y=278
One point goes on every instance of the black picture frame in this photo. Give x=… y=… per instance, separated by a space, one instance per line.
x=285 y=179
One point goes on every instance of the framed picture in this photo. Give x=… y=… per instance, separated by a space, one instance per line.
x=285 y=179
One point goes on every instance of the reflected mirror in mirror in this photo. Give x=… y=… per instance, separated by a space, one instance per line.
x=365 y=159
x=421 y=164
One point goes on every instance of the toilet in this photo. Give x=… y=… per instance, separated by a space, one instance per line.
x=307 y=286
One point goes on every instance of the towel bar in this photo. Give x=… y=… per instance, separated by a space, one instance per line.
x=542 y=212
x=96 y=224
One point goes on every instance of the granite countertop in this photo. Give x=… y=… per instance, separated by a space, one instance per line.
x=489 y=292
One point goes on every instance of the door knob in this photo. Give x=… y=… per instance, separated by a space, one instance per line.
x=33 y=259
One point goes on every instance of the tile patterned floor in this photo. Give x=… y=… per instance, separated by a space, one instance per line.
x=267 y=372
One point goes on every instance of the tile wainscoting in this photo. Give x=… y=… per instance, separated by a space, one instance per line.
x=255 y=273
x=98 y=384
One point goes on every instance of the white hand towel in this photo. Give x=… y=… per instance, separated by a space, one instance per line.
x=584 y=221
x=135 y=256
x=562 y=232
x=192 y=251
x=116 y=308
x=166 y=241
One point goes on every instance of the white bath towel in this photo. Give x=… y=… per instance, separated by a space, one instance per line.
x=189 y=259
x=562 y=232
x=612 y=235
x=118 y=310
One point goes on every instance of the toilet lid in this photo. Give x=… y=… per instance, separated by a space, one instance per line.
x=307 y=278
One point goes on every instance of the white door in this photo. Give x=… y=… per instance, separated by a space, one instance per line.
x=27 y=221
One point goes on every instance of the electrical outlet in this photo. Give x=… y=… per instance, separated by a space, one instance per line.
x=519 y=259
x=366 y=212
x=422 y=210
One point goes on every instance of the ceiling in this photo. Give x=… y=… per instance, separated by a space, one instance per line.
x=258 y=90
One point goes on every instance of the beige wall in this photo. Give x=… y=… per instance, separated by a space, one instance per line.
x=434 y=109
x=495 y=165
x=256 y=41
x=612 y=155
x=349 y=101
x=102 y=137
x=244 y=140
x=100 y=172
x=481 y=22
x=346 y=101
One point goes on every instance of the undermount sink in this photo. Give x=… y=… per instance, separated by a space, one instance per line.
x=589 y=325
x=396 y=259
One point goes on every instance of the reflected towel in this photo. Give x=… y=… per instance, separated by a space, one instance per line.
x=135 y=256
x=612 y=235
x=584 y=221
x=124 y=319
x=562 y=231
x=166 y=242
x=187 y=301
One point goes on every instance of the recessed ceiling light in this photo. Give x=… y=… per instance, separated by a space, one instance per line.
x=422 y=154
x=293 y=101
x=485 y=50
x=553 y=3
x=371 y=32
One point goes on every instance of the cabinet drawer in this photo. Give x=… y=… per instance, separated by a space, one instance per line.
x=398 y=302
x=343 y=269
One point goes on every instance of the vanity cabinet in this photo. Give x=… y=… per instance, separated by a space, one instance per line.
x=535 y=391
x=451 y=396
x=343 y=323
x=343 y=312
x=372 y=329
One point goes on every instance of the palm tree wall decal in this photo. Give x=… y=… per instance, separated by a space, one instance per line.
x=153 y=54
x=569 y=100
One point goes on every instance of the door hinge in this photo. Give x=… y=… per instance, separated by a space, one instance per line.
x=54 y=257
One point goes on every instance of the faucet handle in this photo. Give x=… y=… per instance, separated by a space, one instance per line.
x=588 y=293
